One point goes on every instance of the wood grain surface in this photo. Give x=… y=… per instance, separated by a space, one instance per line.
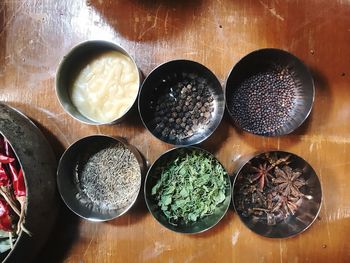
x=36 y=34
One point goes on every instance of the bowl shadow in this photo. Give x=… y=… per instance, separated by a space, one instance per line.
x=323 y=101
x=137 y=212
x=63 y=236
x=219 y=228
x=147 y=20
x=133 y=119
x=218 y=138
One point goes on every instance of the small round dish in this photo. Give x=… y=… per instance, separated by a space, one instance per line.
x=269 y=92
x=154 y=174
x=277 y=194
x=94 y=182
x=74 y=63
x=181 y=102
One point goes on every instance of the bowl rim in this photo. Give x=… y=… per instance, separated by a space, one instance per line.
x=253 y=156
x=228 y=178
x=71 y=51
x=284 y=53
x=221 y=90
x=121 y=140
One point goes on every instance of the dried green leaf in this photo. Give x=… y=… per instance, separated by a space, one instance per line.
x=190 y=187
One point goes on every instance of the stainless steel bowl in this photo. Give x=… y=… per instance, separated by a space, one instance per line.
x=171 y=73
x=67 y=184
x=39 y=165
x=191 y=228
x=261 y=61
x=305 y=214
x=72 y=63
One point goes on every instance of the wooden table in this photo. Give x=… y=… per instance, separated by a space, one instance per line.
x=35 y=35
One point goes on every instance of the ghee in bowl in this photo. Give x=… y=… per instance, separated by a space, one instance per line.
x=97 y=82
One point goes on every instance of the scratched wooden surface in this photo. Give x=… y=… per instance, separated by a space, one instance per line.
x=35 y=35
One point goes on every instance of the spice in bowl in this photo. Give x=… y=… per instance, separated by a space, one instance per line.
x=269 y=92
x=190 y=188
x=106 y=87
x=263 y=102
x=108 y=179
x=185 y=106
x=12 y=197
x=277 y=194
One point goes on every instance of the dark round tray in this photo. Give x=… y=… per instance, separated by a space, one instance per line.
x=38 y=162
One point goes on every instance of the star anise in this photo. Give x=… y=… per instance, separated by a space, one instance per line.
x=286 y=205
x=288 y=181
x=262 y=174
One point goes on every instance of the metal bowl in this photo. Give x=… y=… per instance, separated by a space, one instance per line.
x=68 y=185
x=39 y=165
x=261 y=61
x=171 y=73
x=151 y=179
x=308 y=207
x=70 y=66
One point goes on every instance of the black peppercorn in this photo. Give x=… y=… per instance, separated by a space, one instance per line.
x=185 y=106
x=263 y=102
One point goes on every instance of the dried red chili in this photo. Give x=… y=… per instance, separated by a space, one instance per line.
x=4 y=179
x=18 y=184
x=6 y=191
x=5 y=218
x=6 y=159
x=16 y=177
x=12 y=190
